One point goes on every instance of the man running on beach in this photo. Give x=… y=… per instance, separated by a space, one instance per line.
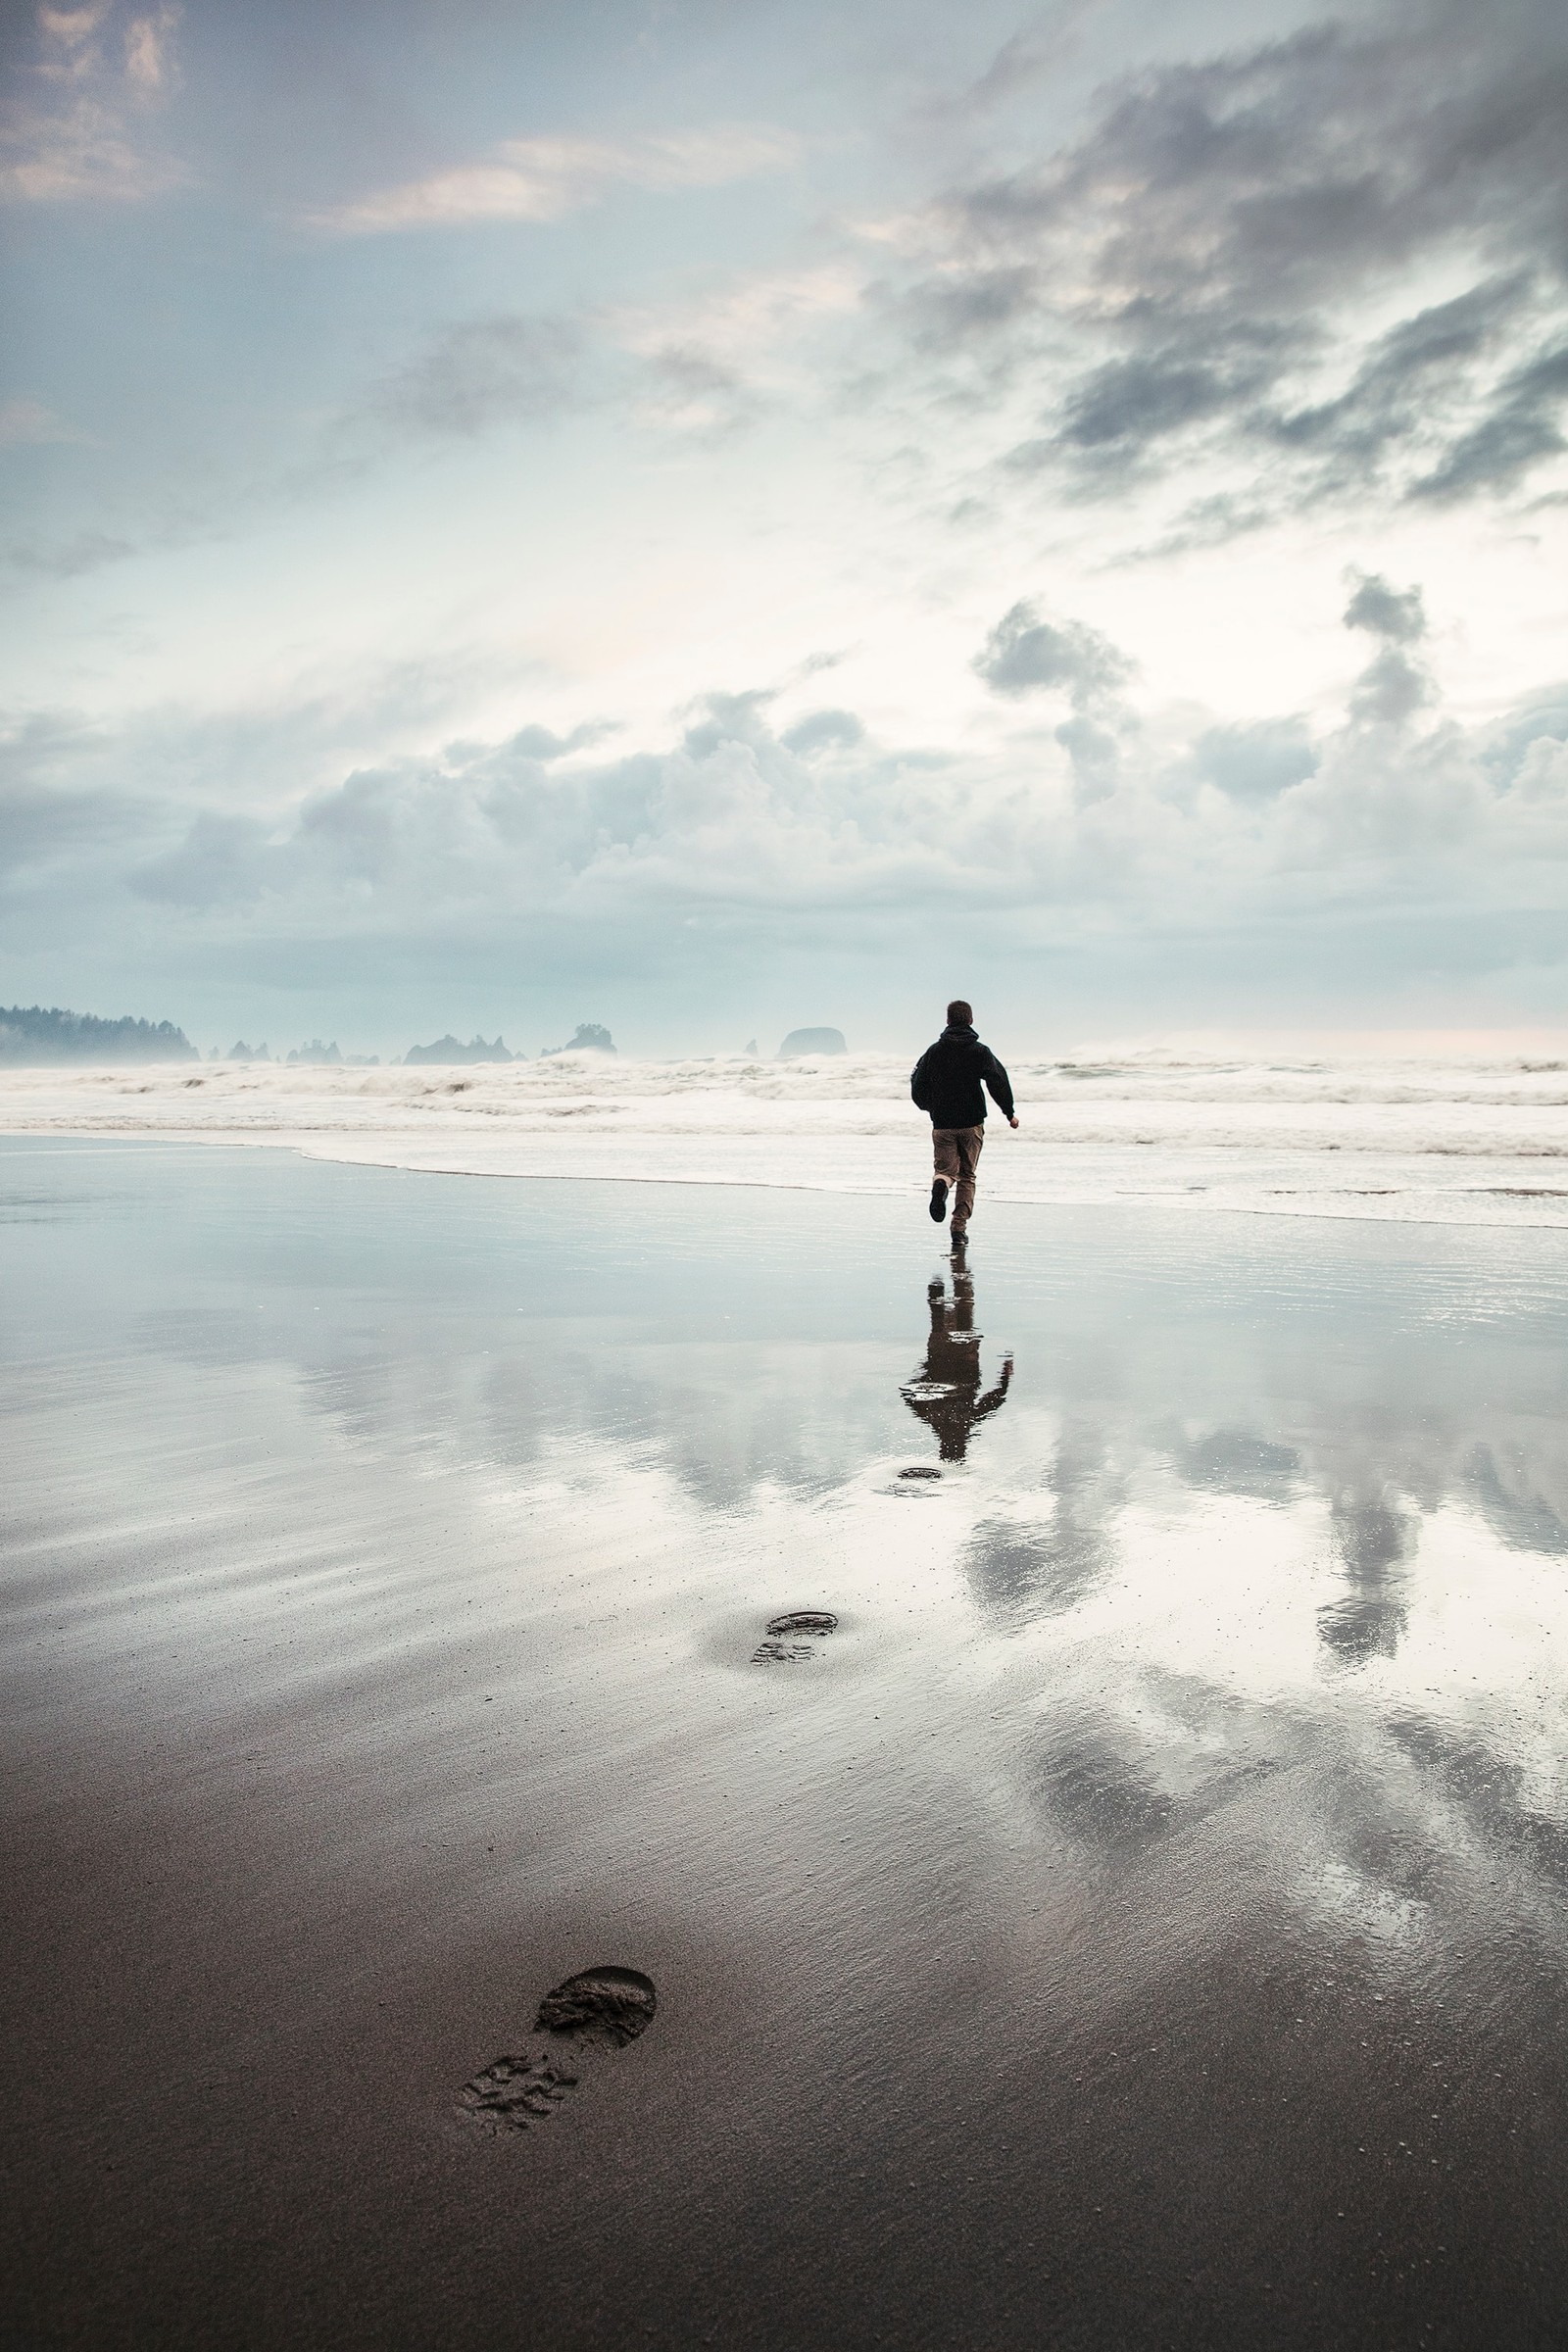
x=947 y=1082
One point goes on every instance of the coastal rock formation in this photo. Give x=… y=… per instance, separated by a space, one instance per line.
x=448 y=1050
x=591 y=1038
x=811 y=1041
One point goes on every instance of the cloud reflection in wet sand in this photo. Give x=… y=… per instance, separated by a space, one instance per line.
x=1359 y=1608
x=1356 y=1573
x=1231 y=1638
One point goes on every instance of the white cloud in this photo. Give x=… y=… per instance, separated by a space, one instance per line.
x=84 y=142
x=543 y=179
x=738 y=322
x=759 y=823
x=1134 y=838
x=710 y=361
x=67 y=40
x=148 y=50
x=82 y=151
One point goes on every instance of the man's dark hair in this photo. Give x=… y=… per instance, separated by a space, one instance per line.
x=960 y=1014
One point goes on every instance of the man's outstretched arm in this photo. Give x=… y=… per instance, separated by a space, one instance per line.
x=993 y=1398
x=1000 y=1088
x=920 y=1083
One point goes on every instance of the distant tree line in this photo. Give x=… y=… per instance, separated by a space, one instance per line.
x=33 y=1033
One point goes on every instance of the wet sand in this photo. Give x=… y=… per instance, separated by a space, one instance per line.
x=1140 y=1918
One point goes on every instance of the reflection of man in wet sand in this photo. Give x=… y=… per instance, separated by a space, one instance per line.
x=946 y=1391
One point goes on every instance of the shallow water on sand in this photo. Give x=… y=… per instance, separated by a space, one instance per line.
x=1142 y=1917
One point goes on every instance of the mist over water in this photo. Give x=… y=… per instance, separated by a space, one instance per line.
x=1473 y=1142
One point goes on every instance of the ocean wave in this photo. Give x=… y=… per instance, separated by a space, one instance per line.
x=1458 y=1142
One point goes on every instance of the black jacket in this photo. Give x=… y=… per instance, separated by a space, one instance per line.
x=950 y=1078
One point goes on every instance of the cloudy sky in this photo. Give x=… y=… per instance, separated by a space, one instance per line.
x=714 y=515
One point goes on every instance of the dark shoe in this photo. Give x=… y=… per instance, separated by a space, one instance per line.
x=939 y=1199
x=960 y=1234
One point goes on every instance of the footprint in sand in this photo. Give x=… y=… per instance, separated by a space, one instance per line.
x=792 y=1636
x=584 y=2019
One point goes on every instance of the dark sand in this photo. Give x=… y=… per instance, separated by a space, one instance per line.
x=1142 y=1919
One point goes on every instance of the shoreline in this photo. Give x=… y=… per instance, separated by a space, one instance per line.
x=1220 y=1182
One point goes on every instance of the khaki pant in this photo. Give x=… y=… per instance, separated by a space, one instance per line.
x=955 y=1151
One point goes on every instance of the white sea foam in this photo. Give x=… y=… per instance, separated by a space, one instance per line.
x=1458 y=1142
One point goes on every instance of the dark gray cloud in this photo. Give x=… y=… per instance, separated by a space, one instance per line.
x=824 y=731
x=1521 y=428
x=1395 y=684
x=1397 y=614
x=1130 y=404
x=971 y=308
x=1410 y=382
x=1192 y=275
x=1391 y=689
x=1026 y=655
